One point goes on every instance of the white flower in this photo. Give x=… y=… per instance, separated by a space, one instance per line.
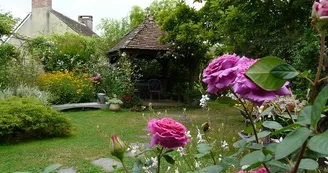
x=197 y=164
x=181 y=151
x=134 y=149
x=326 y=162
x=224 y=145
x=203 y=101
x=176 y=171
x=168 y=169
x=154 y=159
x=277 y=140
x=199 y=136
x=188 y=134
x=260 y=109
x=244 y=167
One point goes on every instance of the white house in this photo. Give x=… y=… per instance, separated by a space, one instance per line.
x=43 y=20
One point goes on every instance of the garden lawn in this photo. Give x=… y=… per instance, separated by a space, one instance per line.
x=90 y=139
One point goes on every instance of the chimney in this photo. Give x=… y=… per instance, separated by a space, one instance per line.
x=87 y=20
x=41 y=4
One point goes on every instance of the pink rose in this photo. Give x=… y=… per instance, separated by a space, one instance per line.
x=220 y=73
x=249 y=90
x=320 y=9
x=261 y=170
x=167 y=133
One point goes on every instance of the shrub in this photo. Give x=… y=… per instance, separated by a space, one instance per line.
x=26 y=91
x=67 y=87
x=22 y=118
x=67 y=51
x=119 y=79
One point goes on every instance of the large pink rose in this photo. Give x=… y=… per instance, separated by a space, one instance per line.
x=320 y=9
x=167 y=133
x=261 y=170
x=247 y=89
x=220 y=73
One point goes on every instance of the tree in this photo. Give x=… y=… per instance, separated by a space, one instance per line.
x=183 y=30
x=256 y=28
x=113 y=30
x=7 y=23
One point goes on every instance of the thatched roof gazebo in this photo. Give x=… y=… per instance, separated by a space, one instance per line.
x=141 y=42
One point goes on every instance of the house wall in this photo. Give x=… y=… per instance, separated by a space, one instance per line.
x=40 y=22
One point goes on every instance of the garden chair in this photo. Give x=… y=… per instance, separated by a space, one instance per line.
x=154 y=86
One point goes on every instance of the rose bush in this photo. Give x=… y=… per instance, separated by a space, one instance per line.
x=167 y=133
x=228 y=72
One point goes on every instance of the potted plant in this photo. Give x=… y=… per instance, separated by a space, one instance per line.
x=114 y=103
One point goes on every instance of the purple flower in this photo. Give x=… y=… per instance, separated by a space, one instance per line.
x=320 y=9
x=247 y=89
x=221 y=73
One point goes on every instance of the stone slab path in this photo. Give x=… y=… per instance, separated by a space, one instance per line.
x=107 y=164
x=67 y=170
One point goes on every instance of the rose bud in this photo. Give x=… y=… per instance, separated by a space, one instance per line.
x=117 y=147
x=205 y=127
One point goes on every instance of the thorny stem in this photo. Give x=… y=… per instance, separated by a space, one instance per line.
x=252 y=123
x=308 y=79
x=313 y=95
x=211 y=152
x=299 y=157
x=125 y=167
x=322 y=52
x=159 y=159
x=291 y=117
x=325 y=78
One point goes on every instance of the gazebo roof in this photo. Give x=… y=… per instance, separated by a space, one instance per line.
x=144 y=37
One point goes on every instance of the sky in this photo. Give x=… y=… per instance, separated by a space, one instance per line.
x=115 y=9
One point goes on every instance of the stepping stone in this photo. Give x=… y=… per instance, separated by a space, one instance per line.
x=107 y=164
x=67 y=170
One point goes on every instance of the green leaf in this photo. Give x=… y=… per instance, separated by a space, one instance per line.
x=137 y=167
x=304 y=118
x=226 y=100
x=267 y=111
x=259 y=135
x=319 y=143
x=292 y=142
x=249 y=129
x=255 y=146
x=284 y=71
x=169 y=159
x=240 y=144
x=278 y=164
x=313 y=154
x=272 y=125
x=287 y=128
x=308 y=164
x=211 y=169
x=51 y=168
x=260 y=73
x=272 y=147
x=252 y=158
x=253 y=166
x=318 y=106
x=204 y=148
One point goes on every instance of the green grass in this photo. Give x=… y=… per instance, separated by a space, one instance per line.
x=90 y=139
